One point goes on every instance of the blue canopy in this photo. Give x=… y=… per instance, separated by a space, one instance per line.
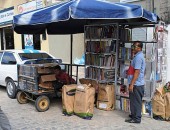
x=70 y=17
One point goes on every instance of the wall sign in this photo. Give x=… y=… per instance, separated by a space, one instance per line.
x=57 y=1
x=40 y=4
x=6 y=16
x=27 y=7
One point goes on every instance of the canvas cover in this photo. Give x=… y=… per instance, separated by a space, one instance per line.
x=68 y=96
x=84 y=101
x=71 y=16
x=105 y=99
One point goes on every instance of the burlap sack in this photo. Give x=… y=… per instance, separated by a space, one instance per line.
x=167 y=106
x=93 y=83
x=84 y=101
x=105 y=99
x=68 y=96
x=85 y=81
x=158 y=103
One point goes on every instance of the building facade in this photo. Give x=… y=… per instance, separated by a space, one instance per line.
x=160 y=7
x=57 y=45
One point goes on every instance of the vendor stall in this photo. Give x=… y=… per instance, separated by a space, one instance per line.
x=110 y=26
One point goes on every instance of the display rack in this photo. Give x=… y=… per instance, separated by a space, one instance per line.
x=100 y=52
x=108 y=56
x=154 y=49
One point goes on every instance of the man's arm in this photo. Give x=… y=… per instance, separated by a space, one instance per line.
x=135 y=76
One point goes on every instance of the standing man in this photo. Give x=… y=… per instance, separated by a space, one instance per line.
x=136 y=82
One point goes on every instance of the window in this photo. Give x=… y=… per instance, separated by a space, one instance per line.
x=1 y=54
x=7 y=36
x=8 y=58
x=27 y=56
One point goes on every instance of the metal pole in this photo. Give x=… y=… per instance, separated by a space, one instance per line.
x=71 y=53
x=153 y=6
x=4 y=40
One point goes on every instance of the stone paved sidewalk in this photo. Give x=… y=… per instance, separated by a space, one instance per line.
x=25 y=117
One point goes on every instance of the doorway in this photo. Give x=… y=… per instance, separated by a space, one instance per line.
x=7 y=38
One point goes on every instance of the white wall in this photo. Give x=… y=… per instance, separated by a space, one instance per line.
x=168 y=55
x=59 y=46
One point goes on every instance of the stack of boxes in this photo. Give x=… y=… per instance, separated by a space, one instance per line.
x=36 y=77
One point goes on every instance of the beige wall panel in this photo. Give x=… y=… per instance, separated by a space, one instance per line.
x=45 y=44
x=59 y=46
x=17 y=41
x=9 y=3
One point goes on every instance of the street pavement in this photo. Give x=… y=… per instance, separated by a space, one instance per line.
x=25 y=117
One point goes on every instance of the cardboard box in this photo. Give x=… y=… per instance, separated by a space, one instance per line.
x=105 y=99
x=42 y=70
x=46 y=78
x=46 y=81
x=45 y=68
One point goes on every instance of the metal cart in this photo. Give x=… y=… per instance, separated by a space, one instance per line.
x=29 y=84
x=30 y=87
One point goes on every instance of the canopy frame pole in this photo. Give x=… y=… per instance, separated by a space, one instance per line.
x=71 y=53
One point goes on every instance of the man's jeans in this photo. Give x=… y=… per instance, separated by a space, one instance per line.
x=136 y=102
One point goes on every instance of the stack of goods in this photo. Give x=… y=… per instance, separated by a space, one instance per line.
x=46 y=81
x=46 y=75
x=105 y=99
x=68 y=97
x=37 y=77
x=44 y=70
x=161 y=103
x=84 y=101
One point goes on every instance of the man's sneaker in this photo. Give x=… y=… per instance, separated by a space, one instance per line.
x=127 y=120
x=130 y=116
x=132 y=121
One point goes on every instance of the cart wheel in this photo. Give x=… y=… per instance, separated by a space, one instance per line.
x=42 y=103
x=21 y=97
